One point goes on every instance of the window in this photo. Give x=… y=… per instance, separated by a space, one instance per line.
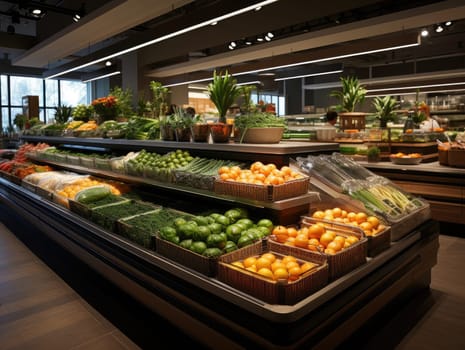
x=51 y=94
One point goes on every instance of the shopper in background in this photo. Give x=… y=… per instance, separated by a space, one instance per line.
x=190 y=111
x=429 y=124
x=331 y=118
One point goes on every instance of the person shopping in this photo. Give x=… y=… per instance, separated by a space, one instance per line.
x=429 y=124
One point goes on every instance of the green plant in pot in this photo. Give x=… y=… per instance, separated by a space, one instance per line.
x=350 y=96
x=223 y=92
x=385 y=109
x=373 y=154
x=63 y=113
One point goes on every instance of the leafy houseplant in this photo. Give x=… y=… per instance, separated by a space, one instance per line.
x=351 y=95
x=373 y=154
x=159 y=105
x=223 y=91
x=63 y=114
x=20 y=121
x=385 y=107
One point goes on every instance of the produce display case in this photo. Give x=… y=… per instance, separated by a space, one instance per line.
x=190 y=298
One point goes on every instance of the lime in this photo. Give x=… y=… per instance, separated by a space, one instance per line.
x=179 y=221
x=201 y=233
x=212 y=252
x=216 y=240
x=264 y=231
x=198 y=247
x=230 y=246
x=233 y=215
x=245 y=240
x=186 y=243
x=223 y=220
x=201 y=220
x=243 y=211
x=215 y=227
x=253 y=232
x=266 y=223
x=187 y=230
x=174 y=239
x=167 y=232
x=233 y=232
x=244 y=221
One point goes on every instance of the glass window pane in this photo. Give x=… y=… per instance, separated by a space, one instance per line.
x=4 y=89
x=5 y=121
x=51 y=93
x=23 y=86
x=73 y=92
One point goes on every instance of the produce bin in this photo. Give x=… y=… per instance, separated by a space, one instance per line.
x=273 y=291
x=264 y=193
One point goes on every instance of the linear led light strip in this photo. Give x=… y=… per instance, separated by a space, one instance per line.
x=310 y=75
x=415 y=87
x=169 y=36
x=331 y=58
x=306 y=62
x=102 y=76
x=429 y=92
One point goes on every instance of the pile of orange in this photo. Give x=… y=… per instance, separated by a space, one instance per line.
x=259 y=174
x=370 y=224
x=316 y=237
x=275 y=267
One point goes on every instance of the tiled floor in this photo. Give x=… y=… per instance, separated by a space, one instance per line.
x=40 y=310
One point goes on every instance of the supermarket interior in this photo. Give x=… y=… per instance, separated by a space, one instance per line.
x=238 y=175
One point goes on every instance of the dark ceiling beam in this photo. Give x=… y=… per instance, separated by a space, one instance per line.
x=16 y=41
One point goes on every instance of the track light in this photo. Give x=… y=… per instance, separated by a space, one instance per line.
x=270 y=35
x=108 y=63
x=438 y=28
x=424 y=32
x=80 y=13
x=448 y=23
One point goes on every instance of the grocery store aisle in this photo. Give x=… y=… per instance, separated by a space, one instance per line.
x=38 y=310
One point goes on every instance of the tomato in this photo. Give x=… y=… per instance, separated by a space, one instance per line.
x=215 y=227
x=233 y=215
x=201 y=220
x=223 y=220
x=244 y=221
x=167 y=232
x=230 y=246
x=187 y=230
x=186 y=243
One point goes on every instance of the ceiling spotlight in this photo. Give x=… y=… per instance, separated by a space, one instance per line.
x=36 y=11
x=233 y=44
x=80 y=13
x=214 y=23
x=260 y=38
x=270 y=35
x=231 y=47
x=439 y=28
x=248 y=42
x=258 y=8
x=424 y=33
x=108 y=63
x=448 y=23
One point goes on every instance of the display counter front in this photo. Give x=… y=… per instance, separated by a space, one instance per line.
x=219 y=315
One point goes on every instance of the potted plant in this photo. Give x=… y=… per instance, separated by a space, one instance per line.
x=182 y=123
x=199 y=129
x=223 y=92
x=350 y=96
x=373 y=154
x=158 y=105
x=385 y=107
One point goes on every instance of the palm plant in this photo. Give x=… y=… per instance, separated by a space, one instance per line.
x=63 y=114
x=385 y=107
x=352 y=94
x=223 y=91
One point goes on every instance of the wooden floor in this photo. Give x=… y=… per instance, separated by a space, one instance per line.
x=38 y=310
x=41 y=308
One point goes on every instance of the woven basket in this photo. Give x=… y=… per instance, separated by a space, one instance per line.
x=263 y=193
x=375 y=244
x=271 y=291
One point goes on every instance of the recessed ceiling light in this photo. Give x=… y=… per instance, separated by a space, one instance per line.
x=439 y=28
x=108 y=63
x=36 y=12
x=448 y=23
x=424 y=32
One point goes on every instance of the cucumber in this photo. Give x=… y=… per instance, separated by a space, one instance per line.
x=92 y=194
